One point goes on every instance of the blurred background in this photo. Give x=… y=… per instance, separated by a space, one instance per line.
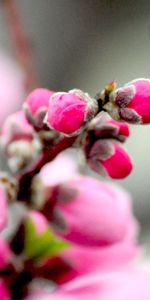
x=84 y=44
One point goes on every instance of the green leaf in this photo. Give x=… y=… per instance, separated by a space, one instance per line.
x=44 y=245
x=57 y=246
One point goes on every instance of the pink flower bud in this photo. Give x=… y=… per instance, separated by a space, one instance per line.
x=103 y=154
x=111 y=255
x=98 y=214
x=123 y=128
x=133 y=101
x=15 y=127
x=36 y=106
x=3 y=208
x=109 y=158
x=19 y=142
x=119 y=164
x=103 y=126
x=68 y=112
x=22 y=153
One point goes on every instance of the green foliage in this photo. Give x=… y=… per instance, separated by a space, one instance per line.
x=43 y=245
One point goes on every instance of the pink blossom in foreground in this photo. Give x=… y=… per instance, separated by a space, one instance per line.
x=98 y=214
x=99 y=223
x=122 y=285
x=109 y=158
x=61 y=169
x=3 y=207
x=112 y=257
x=12 y=86
x=133 y=101
x=68 y=112
x=36 y=106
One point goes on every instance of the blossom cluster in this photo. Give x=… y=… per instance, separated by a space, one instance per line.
x=73 y=236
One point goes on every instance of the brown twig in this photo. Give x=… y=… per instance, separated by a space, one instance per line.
x=21 y=43
x=47 y=156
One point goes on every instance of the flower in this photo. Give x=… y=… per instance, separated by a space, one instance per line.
x=98 y=214
x=123 y=285
x=133 y=101
x=16 y=127
x=62 y=168
x=19 y=142
x=109 y=158
x=69 y=112
x=36 y=106
x=101 y=146
x=95 y=217
x=107 y=258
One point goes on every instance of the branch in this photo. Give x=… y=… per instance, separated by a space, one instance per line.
x=47 y=156
x=21 y=43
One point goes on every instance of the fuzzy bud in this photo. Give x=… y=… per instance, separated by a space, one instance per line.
x=19 y=142
x=103 y=126
x=21 y=153
x=133 y=101
x=69 y=112
x=15 y=127
x=36 y=107
x=104 y=155
x=109 y=158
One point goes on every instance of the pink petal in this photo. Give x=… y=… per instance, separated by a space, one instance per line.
x=119 y=165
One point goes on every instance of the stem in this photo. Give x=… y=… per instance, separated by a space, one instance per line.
x=21 y=43
x=47 y=156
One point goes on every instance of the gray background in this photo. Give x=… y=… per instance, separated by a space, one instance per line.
x=85 y=44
